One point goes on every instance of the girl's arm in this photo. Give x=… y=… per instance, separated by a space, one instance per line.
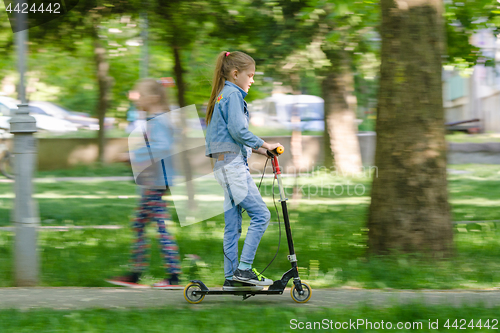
x=261 y=151
x=237 y=123
x=238 y=127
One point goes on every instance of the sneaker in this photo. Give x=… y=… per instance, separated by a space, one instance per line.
x=167 y=285
x=249 y=276
x=230 y=285
x=260 y=276
x=130 y=280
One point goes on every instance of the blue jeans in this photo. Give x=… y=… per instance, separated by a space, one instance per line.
x=240 y=192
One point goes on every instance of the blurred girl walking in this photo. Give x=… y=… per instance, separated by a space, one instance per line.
x=154 y=181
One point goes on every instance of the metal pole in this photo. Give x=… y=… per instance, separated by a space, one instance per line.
x=144 y=49
x=21 y=40
x=25 y=215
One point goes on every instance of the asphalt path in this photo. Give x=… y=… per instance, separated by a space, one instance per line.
x=120 y=298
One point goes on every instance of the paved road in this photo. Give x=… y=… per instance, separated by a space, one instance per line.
x=82 y=298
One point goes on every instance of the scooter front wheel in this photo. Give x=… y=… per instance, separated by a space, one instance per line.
x=192 y=293
x=301 y=297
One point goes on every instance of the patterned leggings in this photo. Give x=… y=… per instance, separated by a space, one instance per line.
x=152 y=207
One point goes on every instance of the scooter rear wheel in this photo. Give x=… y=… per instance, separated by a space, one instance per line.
x=192 y=293
x=305 y=296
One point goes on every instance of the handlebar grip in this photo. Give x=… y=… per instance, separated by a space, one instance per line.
x=275 y=152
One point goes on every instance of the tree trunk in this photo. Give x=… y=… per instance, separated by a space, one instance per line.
x=179 y=77
x=104 y=83
x=340 y=119
x=327 y=148
x=179 y=72
x=296 y=140
x=175 y=44
x=327 y=91
x=409 y=209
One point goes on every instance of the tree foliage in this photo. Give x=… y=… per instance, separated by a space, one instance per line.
x=463 y=19
x=306 y=35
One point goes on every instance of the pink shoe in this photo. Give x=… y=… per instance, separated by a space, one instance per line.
x=165 y=284
x=126 y=281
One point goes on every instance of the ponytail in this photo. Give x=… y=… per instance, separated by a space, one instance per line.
x=223 y=67
x=218 y=84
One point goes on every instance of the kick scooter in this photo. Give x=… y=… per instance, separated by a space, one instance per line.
x=196 y=290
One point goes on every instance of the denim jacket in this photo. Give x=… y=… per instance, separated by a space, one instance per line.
x=151 y=160
x=228 y=128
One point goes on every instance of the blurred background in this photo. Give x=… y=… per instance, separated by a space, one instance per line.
x=299 y=47
x=318 y=90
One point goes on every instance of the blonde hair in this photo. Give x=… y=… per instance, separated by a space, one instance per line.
x=152 y=87
x=225 y=64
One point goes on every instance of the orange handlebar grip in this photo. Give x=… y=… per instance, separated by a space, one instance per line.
x=276 y=151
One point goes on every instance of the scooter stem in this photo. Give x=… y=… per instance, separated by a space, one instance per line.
x=277 y=174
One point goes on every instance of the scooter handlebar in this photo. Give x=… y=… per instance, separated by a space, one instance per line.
x=275 y=152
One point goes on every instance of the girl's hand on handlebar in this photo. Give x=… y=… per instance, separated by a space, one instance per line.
x=271 y=146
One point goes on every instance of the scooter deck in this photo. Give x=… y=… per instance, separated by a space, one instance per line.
x=206 y=291
x=241 y=292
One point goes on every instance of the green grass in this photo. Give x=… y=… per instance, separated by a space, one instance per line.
x=267 y=131
x=92 y=170
x=329 y=233
x=119 y=133
x=248 y=318
x=367 y=124
x=84 y=133
x=79 y=203
x=473 y=138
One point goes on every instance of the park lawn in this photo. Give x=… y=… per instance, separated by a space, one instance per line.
x=91 y=170
x=245 y=317
x=84 y=133
x=472 y=138
x=329 y=234
x=262 y=131
x=78 y=202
